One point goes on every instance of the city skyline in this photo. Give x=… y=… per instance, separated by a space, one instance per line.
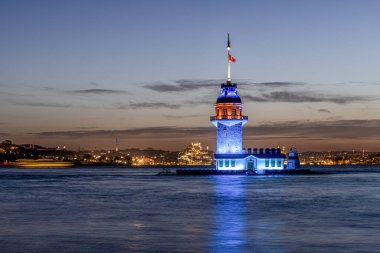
x=87 y=73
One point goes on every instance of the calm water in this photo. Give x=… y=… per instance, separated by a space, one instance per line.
x=131 y=210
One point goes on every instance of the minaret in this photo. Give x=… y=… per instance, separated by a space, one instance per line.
x=229 y=118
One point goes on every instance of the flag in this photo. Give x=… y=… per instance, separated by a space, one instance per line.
x=231 y=59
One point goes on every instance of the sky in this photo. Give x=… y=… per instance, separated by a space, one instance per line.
x=82 y=73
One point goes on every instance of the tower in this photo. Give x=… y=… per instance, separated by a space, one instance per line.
x=230 y=156
x=229 y=118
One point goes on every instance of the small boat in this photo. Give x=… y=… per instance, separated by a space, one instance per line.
x=166 y=172
x=41 y=163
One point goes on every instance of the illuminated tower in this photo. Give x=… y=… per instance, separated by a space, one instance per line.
x=229 y=118
x=230 y=156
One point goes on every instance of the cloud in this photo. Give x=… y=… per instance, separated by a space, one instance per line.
x=307 y=130
x=304 y=97
x=148 y=105
x=281 y=84
x=183 y=85
x=97 y=91
x=196 y=84
x=145 y=105
x=85 y=128
x=163 y=87
x=324 y=111
x=205 y=100
x=181 y=116
x=345 y=129
x=250 y=98
x=134 y=133
x=42 y=104
x=281 y=95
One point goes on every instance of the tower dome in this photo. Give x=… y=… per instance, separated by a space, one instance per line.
x=228 y=94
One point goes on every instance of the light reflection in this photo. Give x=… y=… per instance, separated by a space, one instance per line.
x=245 y=220
x=230 y=215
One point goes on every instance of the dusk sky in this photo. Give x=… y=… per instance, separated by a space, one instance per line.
x=81 y=73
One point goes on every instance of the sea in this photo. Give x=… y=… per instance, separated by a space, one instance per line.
x=115 y=209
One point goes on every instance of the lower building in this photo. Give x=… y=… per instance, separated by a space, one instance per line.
x=258 y=160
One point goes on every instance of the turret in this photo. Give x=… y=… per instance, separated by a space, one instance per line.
x=293 y=160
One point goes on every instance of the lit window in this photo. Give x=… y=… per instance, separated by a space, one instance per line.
x=233 y=112
x=232 y=163
x=224 y=112
x=266 y=163
x=227 y=163
x=220 y=163
x=278 y=163
x=273 y=163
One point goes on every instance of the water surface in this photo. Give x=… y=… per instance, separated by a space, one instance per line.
x=132 y=210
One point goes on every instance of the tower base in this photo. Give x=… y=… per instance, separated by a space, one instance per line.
x=243 y=172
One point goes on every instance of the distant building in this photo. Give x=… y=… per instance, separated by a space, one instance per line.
x=116 y=145
x=151 y=156
x=195 y=155
x=6 y=143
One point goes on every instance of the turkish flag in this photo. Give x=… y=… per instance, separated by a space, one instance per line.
x=231 y=59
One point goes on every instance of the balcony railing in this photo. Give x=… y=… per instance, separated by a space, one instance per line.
x=229 y=117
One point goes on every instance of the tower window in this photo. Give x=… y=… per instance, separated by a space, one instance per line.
x=278 y=163
x=232 y=163
x=227 y=163
x=273 y=163
x=266 y=163
x=233 y=112
x=224 y=112
x=220 y=163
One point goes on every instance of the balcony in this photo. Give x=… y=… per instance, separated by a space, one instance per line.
x=221 y=117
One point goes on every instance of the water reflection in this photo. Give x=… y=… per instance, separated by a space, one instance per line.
x=247 y=215
x=230 y=215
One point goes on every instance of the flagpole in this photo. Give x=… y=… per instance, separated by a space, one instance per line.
x=228 y=68
x=228 y=60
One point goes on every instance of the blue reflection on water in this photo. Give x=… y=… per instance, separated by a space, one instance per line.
x=241 y=222
x=230 y=214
